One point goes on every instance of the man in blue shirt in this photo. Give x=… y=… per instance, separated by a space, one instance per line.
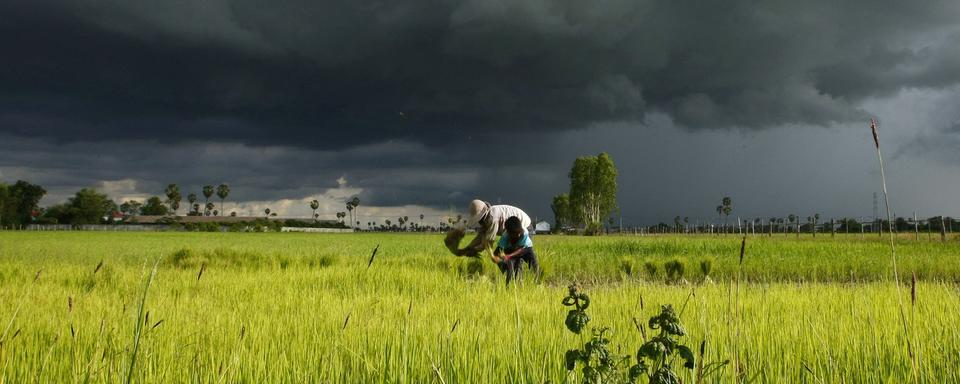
x=515 y=246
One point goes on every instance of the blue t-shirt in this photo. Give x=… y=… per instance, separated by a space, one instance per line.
x=506 y=246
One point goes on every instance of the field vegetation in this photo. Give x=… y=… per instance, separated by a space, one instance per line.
x=272 y=307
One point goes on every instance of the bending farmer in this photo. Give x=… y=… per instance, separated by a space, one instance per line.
x=490 y=221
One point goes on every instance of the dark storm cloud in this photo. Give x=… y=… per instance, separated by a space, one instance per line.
x=332 y=74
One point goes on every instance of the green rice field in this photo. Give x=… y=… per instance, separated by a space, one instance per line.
x=286 y=307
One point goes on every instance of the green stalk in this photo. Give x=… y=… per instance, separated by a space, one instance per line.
x=139 y=329
x=893 y=254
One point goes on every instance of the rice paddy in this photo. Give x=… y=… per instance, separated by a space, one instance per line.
x=270 y=307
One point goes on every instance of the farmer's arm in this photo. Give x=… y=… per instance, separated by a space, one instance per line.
x=476 y=243
x=484 y=240
x=514 y=253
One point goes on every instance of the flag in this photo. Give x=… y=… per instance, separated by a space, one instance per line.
x=873 y=127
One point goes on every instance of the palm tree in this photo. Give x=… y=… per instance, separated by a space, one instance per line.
x=209 y=209
x=192 y=198
x=314 y=205
x=727 y=208
x=265 y=211
x=223 y=190
x=350 y=210
x=173 y=197
x=207 y=192
x=355 y=202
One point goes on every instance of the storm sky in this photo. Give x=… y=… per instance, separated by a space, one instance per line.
x=419 y=106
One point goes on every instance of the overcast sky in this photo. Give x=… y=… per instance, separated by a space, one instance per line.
x=419 y=106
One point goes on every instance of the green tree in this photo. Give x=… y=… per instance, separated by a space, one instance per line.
x=58 y=213
x=89 y=207
x=131 y=208
x=209 y=209
x=593 y=190
x=223 y=190
x=173 y=197
x=20 y=202
x=4 y=202
x=154 y=207
x=561 y=211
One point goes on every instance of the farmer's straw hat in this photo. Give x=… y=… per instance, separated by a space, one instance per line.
x=477 y=209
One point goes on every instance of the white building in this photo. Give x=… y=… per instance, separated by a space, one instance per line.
x=542 y=227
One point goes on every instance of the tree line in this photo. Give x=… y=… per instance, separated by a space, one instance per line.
x=19 y=205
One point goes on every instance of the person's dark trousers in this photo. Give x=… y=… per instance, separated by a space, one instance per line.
x=513 y=267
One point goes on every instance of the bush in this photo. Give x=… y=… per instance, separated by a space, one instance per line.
x=208 y=227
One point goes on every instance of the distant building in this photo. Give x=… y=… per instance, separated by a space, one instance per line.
x=542 y=226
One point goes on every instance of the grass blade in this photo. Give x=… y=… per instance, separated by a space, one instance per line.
x=139 y=329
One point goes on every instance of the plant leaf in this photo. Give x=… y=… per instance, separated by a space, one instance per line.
x=687 y=355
